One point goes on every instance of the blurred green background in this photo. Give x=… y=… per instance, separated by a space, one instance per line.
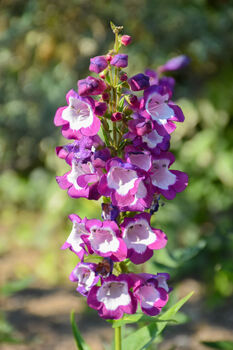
x=45 y=49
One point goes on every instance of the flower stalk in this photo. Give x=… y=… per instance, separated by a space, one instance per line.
x=118 y=338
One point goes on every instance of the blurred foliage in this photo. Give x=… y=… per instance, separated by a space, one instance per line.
x=45 y=49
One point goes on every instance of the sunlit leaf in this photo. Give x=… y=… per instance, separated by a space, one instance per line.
x=144 y=336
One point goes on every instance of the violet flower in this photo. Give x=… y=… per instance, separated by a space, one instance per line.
x=120 y=61
x=85 y=275
x=98 y=64
x=91 y=86
x=141 y=239
x=113 y=298
x=139 y=82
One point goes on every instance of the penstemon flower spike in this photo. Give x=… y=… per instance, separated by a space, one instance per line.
x=120 y=130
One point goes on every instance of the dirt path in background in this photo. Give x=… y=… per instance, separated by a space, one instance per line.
x=41 y=317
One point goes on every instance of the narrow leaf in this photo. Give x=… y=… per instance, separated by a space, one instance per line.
x=220 y=345
x=121 y=104
x=81 y=345
x=141 y=338
x=138 y=317
x=144 y=336
x=172 y=311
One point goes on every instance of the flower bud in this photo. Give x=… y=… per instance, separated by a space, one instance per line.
x=123 y=76
x=105 y=96
x=139 y=82
x=108 y=57
x=116 y=117
x=133 y=100
x=102 y=76
x=120 y=61
x=100 y=108
x=98 y=64
x=126 y=40
x=91 y=86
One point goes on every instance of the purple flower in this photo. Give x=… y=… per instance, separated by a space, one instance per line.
x=81 y=180
x=105 y=240
x=149 y=135
x=85 y=275
x=175 y=63
x=153 y=76
x=165 y=181
x=157 y=106
x=140 y=126
x=75 y=242
x=138 y=157
x=100 y=108
x=126 y=40
x=113 y=298
x=120 y=61
x=82 y=149
x=98 y=64
x=91 y=86
x=141 y=239
x=123 y=77
x=168 y=84
x=78 y=118
x=126 y=186
x=150 y=292
x=139 y=82
x=115 y=117
x=109 y=212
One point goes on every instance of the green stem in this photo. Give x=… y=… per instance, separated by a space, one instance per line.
x=118 y=338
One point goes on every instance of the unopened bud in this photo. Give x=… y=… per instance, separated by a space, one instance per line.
x=116 y=117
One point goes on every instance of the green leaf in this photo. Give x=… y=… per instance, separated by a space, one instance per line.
x=105 y=135
x=220 y=345
x=172 y=311
x=81 y=345
x=121 y=104
x=138 y=317
x=185 y=254
x=144 y=336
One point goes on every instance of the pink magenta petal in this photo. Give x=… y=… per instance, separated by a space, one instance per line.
x=58 y=121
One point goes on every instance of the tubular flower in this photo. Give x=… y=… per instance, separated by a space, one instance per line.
x=141 y=239
x=113 y=298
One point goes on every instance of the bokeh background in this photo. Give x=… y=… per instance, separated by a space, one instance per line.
x=45 y=49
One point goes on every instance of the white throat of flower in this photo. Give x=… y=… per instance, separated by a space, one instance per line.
x=157 y=107
x=161 y=176
x=103 y=239
x=114 y=294
x=79 y=114
x=138 y=236
x=122 y=180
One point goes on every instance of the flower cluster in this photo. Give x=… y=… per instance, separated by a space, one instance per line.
x=119 y=129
